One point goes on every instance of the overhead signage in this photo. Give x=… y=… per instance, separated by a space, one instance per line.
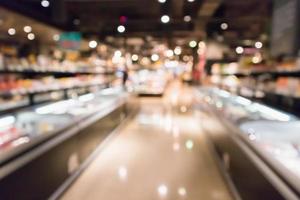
x=70 y=40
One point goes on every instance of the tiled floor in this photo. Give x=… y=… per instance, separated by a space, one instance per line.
x=160 y=154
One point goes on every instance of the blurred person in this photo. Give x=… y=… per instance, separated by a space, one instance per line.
x=125 y=77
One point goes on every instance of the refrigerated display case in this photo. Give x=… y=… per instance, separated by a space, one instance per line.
x=54 y=139
x=149 y=82
x=257 y=140
x=30 y=124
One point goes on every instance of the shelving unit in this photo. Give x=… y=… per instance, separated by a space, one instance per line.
x=280 y=101
x=287 y=102
x=283 y=73
x=28 y=96
x=55 y=73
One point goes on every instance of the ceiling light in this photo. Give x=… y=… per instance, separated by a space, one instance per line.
x=134 y=57
x=27 y=29
x=76 y=22
x=30 y=36
x=258 y=45
x=193 y=44
x=165 y=19
x=45 y=3
x=121 y=29
x=191 y=0
x=224 y=26
x=239 y=50
x=93 y=44
x=11 y=31
x=177 y=51
x=162 y=1
x=56 y=37
x=187 y=18
x=155 y=57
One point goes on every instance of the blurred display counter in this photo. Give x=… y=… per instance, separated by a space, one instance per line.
x=43 y=146
x=149 y=82
x=259 y=146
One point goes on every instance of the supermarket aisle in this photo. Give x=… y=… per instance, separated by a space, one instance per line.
x=160 y=154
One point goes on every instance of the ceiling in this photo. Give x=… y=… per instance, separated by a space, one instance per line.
x=246 y=19
x=8 y=19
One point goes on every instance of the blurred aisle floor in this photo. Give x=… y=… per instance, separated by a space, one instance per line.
x=160 y=154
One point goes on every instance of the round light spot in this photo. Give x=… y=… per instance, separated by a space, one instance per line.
x=182 y=191
x=224 y=26
x=93 y=44
x=258 y=45
x=134 y=57
x=189 y=144
x=169 y=53
x=256 y=59
x=45 y=3
x=122 y=172
x=239 y=50
x=31 y=36
x=27 y=29
x=56 y=37
x=121 y=29
x=118 y=53
x=162 y=190
x=193 y=44
x=12 y=31
x=177 y=51
x=165 y=19
x=187 y=18
x=154 y=57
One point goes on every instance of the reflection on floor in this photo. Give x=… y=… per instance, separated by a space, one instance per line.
x=160 y=154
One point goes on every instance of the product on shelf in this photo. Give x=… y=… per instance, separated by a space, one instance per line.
x=149 y=82
x=47 y=64
x=13 y=85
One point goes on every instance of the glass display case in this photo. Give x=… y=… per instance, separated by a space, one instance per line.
x=239 y=109
x=272 y=135
x=149 y=82
x=34 y=124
